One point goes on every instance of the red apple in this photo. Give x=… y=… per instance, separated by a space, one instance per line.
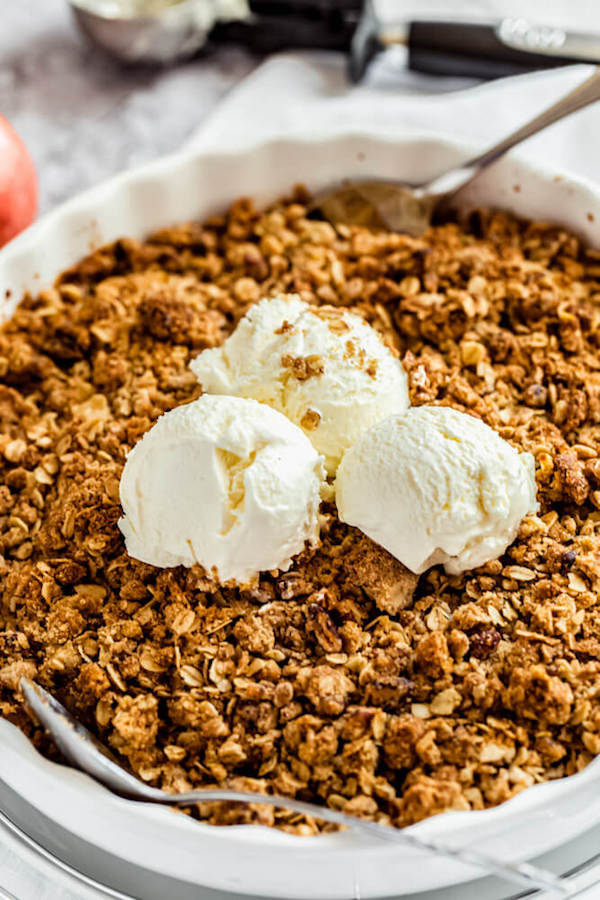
x=18 y=184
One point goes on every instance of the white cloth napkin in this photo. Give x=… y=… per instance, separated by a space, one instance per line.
x=296 y=94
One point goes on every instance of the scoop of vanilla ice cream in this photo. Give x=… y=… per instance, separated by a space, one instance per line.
x=326 y=369
x=225 y=482
x=435 y=485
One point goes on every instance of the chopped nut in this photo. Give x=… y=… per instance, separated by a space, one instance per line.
x=519 y=573
x=472 y=352
x=445 y=703
x=576 y=583
x=310 y=420
x=175 y=753
x=493 y=753
x=303 y=367
x=15 y=450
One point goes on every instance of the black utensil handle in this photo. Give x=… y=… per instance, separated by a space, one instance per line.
x=270 y=34
x=285 y=24
x=476 y=51
x=313 y=8
x=453 y=64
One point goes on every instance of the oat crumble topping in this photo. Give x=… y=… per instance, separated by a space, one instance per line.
x=345 y=680
x=303 y=367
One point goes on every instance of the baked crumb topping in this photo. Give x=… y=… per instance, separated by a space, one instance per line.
x=310 y=420
x=344 y=680
x=303 y=367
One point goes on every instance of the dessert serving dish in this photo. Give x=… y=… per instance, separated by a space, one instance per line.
x=194 y=187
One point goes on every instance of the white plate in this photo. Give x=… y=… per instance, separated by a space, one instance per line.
x=256 y=860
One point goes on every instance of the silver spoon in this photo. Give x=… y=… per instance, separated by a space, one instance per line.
x=410 y=209
x=85 y=752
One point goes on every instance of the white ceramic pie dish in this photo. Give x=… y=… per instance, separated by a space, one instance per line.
x=256 y=860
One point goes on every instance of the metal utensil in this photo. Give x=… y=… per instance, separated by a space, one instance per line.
x=153 y=31
x=163 y=33
x=493 y=49
x=410 y=209
x=85 y=752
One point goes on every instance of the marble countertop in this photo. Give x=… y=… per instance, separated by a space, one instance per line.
x=84 y=116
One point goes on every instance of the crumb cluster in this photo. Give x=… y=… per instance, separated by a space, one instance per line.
x=346 y=679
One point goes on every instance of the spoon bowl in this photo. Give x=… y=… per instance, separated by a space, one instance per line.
x=167 y=31
x=410 y=209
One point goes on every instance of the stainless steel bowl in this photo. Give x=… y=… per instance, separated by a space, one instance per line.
x=166 y=33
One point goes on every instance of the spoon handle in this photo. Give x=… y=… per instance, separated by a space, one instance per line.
x=585 y=93
x=450 y=182
x=523 y=874
x=83 y=750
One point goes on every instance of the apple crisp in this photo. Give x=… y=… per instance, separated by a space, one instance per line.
x=345 y=680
